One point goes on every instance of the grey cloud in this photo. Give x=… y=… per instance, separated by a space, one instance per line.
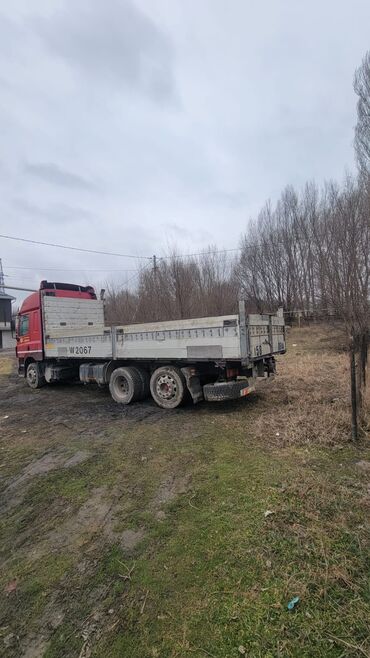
x=11 y=35
x=50 y=172
x=173 y=230
x=4 y=173
x=228 y=200
x=60 y=212
x=113 y=42
x=88 y=91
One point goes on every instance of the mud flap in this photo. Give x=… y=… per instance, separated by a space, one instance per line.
x=193 y=384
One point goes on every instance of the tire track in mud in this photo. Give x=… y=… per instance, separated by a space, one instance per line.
x=64 y=427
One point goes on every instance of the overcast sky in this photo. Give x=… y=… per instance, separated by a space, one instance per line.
x=132 y=126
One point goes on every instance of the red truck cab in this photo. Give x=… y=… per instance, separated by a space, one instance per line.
x=29 y=328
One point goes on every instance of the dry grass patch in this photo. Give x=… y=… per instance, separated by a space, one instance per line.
x=6 y=365
x=310 y=394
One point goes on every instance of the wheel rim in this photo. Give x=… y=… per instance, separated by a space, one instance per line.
x=32 y=375
x=166 y=387
x=122 y=386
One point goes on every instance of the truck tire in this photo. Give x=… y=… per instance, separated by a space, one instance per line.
x=219 y=392
x=34 y=375
x=168 y=387
x=144 y=377
x=125 y=385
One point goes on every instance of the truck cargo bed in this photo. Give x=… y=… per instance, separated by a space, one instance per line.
x=71 y=332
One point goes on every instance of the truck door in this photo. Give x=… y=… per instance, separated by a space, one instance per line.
x=29 y=332
x=24 y=327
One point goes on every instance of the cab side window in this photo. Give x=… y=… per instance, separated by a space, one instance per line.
x=24 y=325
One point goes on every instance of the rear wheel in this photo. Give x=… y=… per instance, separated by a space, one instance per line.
x=34 y=376
x=144 y=377
x=168 y=387
x=125 y=385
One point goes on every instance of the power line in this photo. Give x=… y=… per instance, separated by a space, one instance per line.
x=131 y=279
x=108 y=253
x=202 y=253
x=64 y=269
x=63 y=246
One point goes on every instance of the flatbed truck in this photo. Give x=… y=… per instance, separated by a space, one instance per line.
x=62 y=336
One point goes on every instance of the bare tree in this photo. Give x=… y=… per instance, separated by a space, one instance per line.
x=311 y=252
x=176 y=288
x=362 y=131
x=343 y=247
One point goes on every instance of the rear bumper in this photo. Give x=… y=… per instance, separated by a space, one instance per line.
x=221 y=391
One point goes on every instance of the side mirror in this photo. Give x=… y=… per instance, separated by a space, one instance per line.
x=15 y=327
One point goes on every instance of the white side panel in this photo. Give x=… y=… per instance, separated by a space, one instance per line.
x=69 y=316
x=80 y=347
x=278 y=331
x=74 y=328
x=260 y=334
x=194 y=323
x=204 y=338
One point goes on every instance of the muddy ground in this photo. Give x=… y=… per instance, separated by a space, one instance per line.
x=106 y=509
x=66 y=429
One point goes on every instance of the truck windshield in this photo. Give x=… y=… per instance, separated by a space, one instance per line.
x=24 y=325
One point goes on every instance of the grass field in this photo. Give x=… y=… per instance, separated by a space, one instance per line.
x=144 y=533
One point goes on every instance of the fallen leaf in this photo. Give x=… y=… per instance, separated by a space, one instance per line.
x=11 y=586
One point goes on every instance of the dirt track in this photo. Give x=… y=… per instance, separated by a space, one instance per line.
x=75 y=431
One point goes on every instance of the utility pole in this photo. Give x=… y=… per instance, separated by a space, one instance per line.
x=2 y=282
x=155 y=272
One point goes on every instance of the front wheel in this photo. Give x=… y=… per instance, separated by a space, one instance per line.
x=34 y=376
x=167 y=386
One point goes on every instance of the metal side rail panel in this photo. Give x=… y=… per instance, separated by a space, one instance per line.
x=64 y=316
x=202 y=339
x=225 y=338
x=80 y=347
x=266 y=335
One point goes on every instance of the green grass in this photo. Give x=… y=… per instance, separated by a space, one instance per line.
x=221 y=575
x=215 y=573
x=37 y=580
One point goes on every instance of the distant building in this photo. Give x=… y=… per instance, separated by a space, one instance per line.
x=7 y=337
